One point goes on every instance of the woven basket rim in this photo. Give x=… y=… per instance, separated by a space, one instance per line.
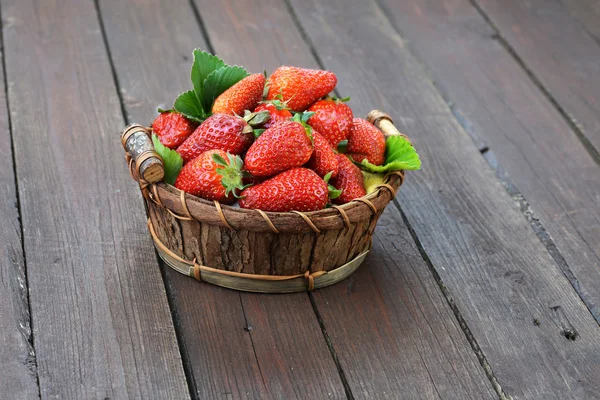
x=189 y=207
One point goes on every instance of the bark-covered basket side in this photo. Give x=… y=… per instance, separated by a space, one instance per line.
x=262 y=253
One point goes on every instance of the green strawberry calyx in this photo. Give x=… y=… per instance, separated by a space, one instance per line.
x=256 y=119
x=231 y=173
x=338 y=100
x=333 y=192
x=302 y=118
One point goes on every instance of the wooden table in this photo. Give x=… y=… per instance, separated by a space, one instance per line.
x=484 y=280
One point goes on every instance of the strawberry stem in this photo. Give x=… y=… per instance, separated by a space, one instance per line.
x=231 y=173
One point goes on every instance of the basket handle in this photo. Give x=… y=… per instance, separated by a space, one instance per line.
x=145 y=163
x=385 y=124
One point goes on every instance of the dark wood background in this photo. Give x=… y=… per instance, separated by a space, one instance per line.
x=484 y=279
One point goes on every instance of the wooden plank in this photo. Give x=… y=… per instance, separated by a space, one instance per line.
x=392 y=329
x=283 y=354
x=560 y=53
x=530 y=140
x=18 y=376
x=514 y=299
x=101 y=321
x=588 y=13
x=408 y=340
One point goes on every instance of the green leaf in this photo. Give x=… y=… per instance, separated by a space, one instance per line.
x=171 y=159
x=399 y=155
x=341 y=147
x=204 y=64
x=187 y=104
x=219 y=81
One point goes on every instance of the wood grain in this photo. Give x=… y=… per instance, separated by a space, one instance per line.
x=102 y=325
x=225 y=359
x=560 y=53
x=588 y=13
x=389 y=347
x=18 y=376
x=515 y=300
x=392 y=329
x=531 y=142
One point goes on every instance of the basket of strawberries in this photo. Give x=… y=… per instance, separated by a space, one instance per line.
x=265 y=184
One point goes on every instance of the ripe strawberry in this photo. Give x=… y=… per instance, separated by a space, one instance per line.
x=172 y=128
x=366 y=142
x=332 y=118
x=220 y=131
x=277 y=110
x=349 y=181
x=213 y=175
x=300 y=87
x=244 y=95
x=298 y=189
x=323 y=159
x=281 y=147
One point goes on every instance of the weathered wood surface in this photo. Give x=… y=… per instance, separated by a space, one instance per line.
x=500 y=276
x=588 y=13
x=18 y=369
x=392 y=329
x=533 y=146
x=225 y=359
x=101 y=321
x=560 y=53
x=384 y=362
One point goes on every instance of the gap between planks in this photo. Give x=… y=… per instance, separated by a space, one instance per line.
x=27 y=330
x=462 y=323
x=488 y=154
x=187 y=369
x=569 y=119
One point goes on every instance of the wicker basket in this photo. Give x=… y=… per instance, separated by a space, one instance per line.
x=253 y=250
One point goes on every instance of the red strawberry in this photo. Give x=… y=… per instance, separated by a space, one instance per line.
x=220 y=131
x=277 y=110
x=213 y=175
x=298 y=189
x=323 y=159
x=349 y=181
x=300 y=87
x=242 y=96
x=332 y=118
x=281 y=147
x=172 y=128
x=366 y=142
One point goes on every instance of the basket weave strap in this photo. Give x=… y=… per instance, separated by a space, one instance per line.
x=196 y=269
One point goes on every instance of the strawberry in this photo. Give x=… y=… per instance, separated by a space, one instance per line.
x=298 y=189
x=349 y=180
x=172 y=128
x=277 y=110
x=281 y=147
x=332 y=118
x=323 y=159
x=366 y=142
x=213 y=175
x=242 y=96
x=300 y=87
x=219 y=131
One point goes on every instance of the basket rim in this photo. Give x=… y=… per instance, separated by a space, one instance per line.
x=185 y=206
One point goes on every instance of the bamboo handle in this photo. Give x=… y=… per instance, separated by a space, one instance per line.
x=149 y=166
x=385 y=124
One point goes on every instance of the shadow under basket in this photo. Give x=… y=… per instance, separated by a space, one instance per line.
x=253 y=250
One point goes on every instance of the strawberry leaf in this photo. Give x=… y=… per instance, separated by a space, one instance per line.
x=187 y=104
x=399 y=155
x=204 y=64
x=171 y=160
x=219 y=81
